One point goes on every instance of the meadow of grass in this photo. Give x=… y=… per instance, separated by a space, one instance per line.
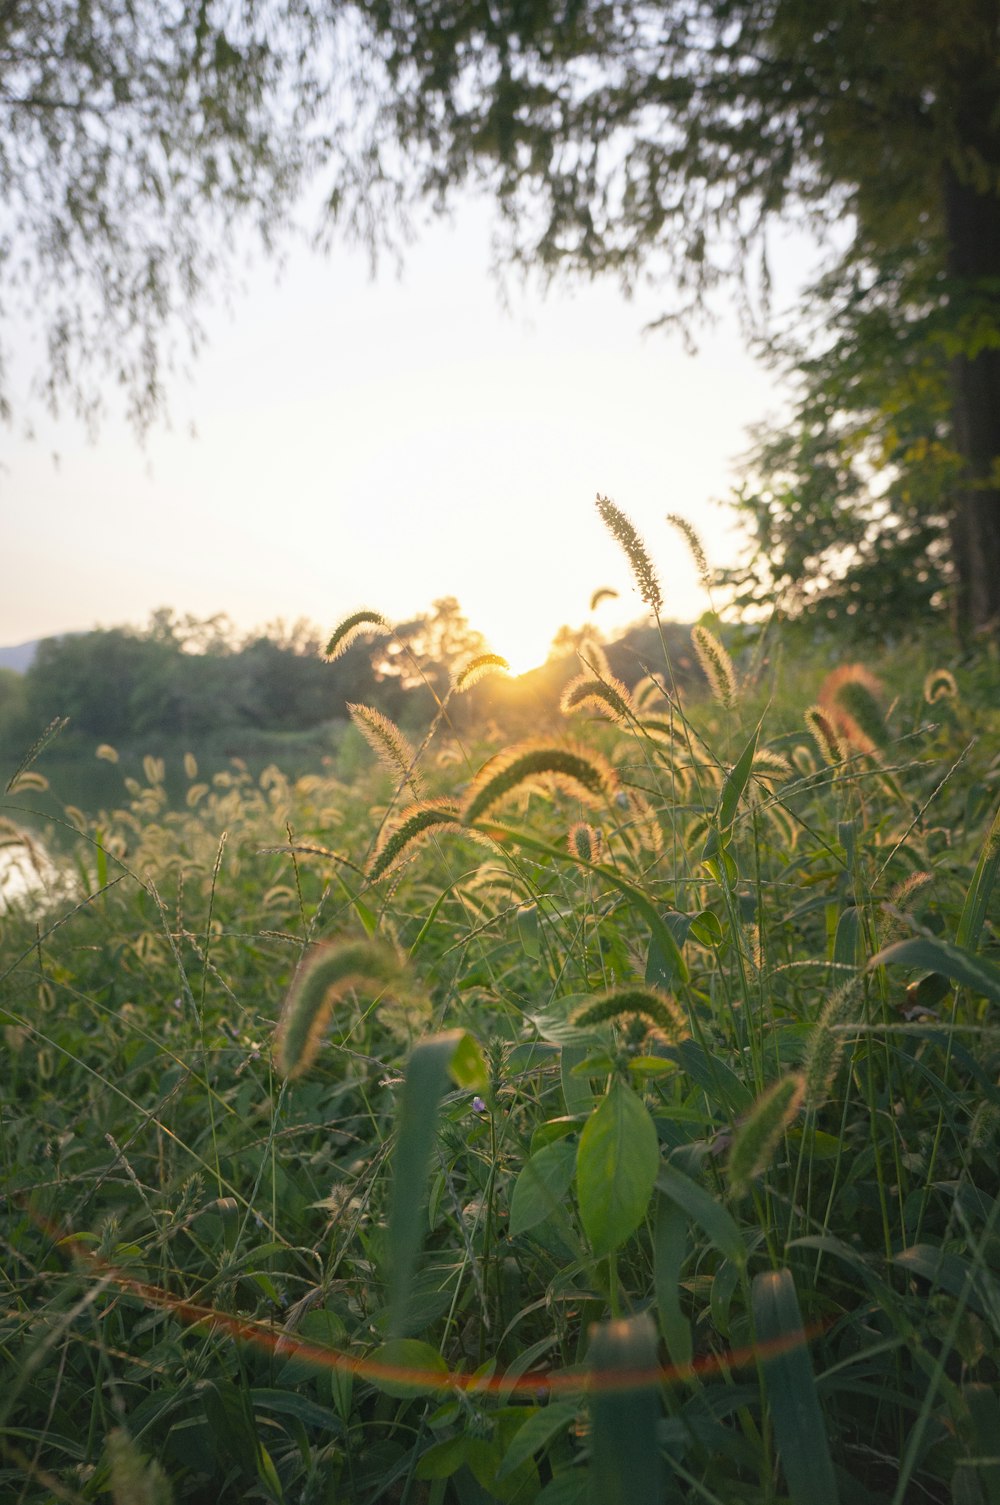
x=613 y=1116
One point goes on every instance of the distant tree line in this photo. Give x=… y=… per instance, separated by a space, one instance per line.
x=190 y=678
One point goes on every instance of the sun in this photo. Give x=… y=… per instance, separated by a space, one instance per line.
x=521 y=641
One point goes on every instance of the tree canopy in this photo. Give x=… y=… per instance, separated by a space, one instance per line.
x=618 y=136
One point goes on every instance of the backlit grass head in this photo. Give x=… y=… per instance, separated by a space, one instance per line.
x=477 y=669
x=622 y=529
x=576 y=770
x=825 y=733
x=387 y=742
x=716 y=664
x=327 y=975
x=650 y=1004
x=691 y=538
x=608 y=696
x=850 y=698
x=760 y=1133
x=940 y=685
x=351 y=628
x=585 y=842
x=418 y=824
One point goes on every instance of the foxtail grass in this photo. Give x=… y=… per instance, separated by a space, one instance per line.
x=576 y=770
x=608 y=696
x=479 y=668
x=325 y=977
x=761 y=1131
x=652 y=1004
x=623 y=531
x=351 y=628
x=716 y=664
x=416 y=825
x=387 y=742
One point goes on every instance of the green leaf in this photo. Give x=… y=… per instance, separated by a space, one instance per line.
x=443 y=1459
x=408 y=1367
x=950 y=1272
x=791 y=1390
x=625 y=1413
x=541 y=1426
x=719 y=1082
x=973 y=916
x=670 y=1245
x=528 y=931
x=705 y=1210
x=736 y=782
x=932 y=955
x=541 y=1187
x=427 y=1074
x=616 y=1167
x=468 y=1067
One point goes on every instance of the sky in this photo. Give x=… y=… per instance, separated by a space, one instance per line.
x=381 y=443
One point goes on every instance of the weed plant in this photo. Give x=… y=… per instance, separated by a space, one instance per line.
x=613 y=1116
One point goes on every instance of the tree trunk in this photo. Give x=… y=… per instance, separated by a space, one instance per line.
x=973 y=227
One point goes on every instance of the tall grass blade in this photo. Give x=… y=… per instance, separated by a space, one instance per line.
x=961 y=966
x=670 y=1243
x=430 y=1066
x=973 y=916
x=791 y=1390
x=705 y=1210
x=625 y=1414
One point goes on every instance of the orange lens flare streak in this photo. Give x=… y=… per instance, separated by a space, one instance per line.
x=577 y=1382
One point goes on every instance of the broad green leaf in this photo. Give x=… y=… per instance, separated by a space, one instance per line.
x=616 y=1167
x=790 y=1386
x=961 y=966
x=625 y=1413
x=705 y=1210
x=541 y=1187
x=404 y=1367
x=467 y=1067
x=541 y=1426
x=528 y=931
x=443 y=1459
x=576 y=1089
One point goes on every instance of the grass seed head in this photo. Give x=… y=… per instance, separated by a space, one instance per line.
x=850 y=698
x=825 y=1046
x=694 y=544
x=586 y=842
x=328 y=973
x=621 y=528
x=576 y=770
x=386 y=741
x=608 y=696
x=648 y=1003
x=940 y=685
x=822 y=727
x=416 y=825
x=717 y=665
x=477 y=669
x=351 y=628
x=758 y=1136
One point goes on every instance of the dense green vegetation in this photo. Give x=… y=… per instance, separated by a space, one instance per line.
x=630 y=1130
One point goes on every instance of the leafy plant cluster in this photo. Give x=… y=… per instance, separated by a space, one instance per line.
x=612 y=1115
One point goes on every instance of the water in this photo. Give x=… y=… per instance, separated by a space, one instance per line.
x=25 y=869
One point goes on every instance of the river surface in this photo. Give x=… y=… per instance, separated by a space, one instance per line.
x=24 y=870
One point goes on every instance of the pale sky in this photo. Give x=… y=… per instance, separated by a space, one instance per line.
x=383 y=443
